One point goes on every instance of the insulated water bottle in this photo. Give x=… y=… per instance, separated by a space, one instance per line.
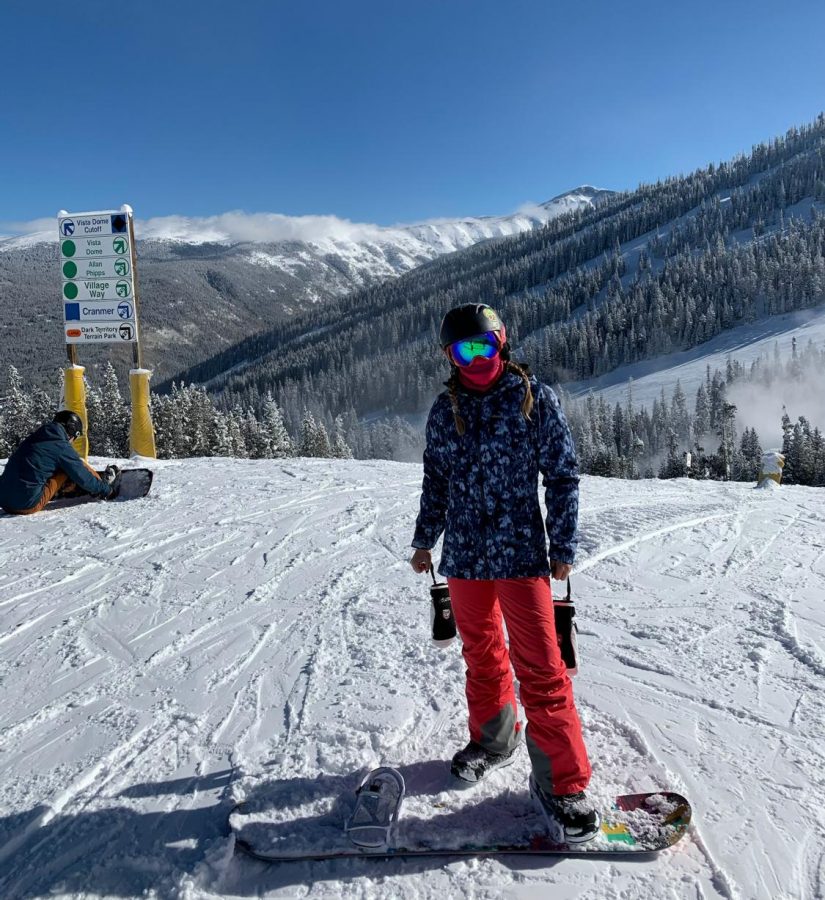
x=565 y=614
x=441 y=613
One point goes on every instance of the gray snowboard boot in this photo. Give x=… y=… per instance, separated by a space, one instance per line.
x=572 y=818
x=474 y=762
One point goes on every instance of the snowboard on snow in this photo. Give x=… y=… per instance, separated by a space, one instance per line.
x=296 y=821
x=134 y=484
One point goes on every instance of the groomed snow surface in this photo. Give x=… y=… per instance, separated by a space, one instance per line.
x=257 y=623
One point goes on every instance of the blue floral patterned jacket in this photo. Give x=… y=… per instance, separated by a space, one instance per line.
x=481 y=488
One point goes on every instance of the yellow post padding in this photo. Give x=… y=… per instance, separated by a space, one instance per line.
x=74 y=398
x=141 y=432
x=773 y=462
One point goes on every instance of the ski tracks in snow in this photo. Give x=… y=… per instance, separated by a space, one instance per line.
x=700 y=634
x=255 y=623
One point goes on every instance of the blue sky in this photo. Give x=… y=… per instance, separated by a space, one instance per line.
x=381 y=111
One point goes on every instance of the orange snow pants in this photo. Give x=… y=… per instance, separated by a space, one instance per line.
x=57 y=483
x=553 y=736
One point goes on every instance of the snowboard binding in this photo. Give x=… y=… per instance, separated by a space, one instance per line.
x=378 y=803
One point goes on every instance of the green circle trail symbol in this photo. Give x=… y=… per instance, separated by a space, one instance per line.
x=119 y=245
x=70 y=290
x=68 y=248
x=121 y=267
x=122 y=288
x=70 y=269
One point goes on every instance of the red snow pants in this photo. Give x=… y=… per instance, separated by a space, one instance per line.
x=554 y=737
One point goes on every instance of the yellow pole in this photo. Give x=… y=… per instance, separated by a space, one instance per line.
x=141 y=431
x=74 y=398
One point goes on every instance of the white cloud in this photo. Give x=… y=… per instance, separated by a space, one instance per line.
x=241 y=227
x=33 y=226
x=229 y=227
x=256 y=227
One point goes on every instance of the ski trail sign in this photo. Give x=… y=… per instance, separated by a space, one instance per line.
x=97 y=268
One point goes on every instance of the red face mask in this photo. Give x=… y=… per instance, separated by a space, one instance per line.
x=482 y=373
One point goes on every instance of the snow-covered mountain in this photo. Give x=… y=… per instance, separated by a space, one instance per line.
x=670 y=273
x=332 y=234
x=163 y=658
x=209 y=282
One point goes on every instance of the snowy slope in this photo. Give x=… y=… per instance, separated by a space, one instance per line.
x=744 y=344
x=757 y=407
x=160 y=658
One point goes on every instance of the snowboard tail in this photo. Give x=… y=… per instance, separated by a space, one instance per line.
x=636 y=823
x=134 y=484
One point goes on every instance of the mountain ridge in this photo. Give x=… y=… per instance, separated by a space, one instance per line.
x=203 y=295
x=650 y=272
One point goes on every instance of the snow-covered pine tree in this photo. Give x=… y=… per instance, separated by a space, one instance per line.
x=113 y=427
x=20 y=417
x=220 y=443
x=237 y=444
x=280 y=443
x=340 y=449
x=702 y=416
x=673 y=465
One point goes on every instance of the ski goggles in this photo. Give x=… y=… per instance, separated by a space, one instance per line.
x=465 y=351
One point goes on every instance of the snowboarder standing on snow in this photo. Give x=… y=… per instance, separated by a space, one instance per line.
x=46 y=465
x=489 y=435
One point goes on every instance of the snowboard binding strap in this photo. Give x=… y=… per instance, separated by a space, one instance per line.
x=377 y=805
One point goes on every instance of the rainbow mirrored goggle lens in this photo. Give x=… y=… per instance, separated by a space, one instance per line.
x=484 y=345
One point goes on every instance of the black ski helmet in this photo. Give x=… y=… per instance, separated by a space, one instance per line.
x=71 y=421
x=469 y=320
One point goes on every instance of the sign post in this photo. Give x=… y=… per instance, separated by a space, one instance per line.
x=98 y=267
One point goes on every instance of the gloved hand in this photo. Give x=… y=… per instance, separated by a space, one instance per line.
x=110 y=473
x=114 y=483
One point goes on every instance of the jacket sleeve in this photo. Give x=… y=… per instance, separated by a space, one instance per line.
x=70 y=463
x=435 y=489
x=560 y=471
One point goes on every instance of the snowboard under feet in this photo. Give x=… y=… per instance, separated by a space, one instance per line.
x=295 y=820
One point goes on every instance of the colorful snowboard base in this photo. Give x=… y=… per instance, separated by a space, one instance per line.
x=290 y=825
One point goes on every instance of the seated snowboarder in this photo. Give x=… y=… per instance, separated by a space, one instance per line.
x=45 y=466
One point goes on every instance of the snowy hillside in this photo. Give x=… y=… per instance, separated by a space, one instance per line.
x=757 y=407
x=254 y=622
x=744 y=344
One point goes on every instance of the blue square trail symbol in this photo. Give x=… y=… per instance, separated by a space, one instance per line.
x=72 y=312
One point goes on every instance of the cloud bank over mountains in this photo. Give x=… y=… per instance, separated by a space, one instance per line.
x=242 y=227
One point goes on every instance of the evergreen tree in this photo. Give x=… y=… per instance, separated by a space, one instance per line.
x=280 y=443
x=702 y=416
x=673 y=466
x=340 y=449
x=19 y=414
x=111 y=435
